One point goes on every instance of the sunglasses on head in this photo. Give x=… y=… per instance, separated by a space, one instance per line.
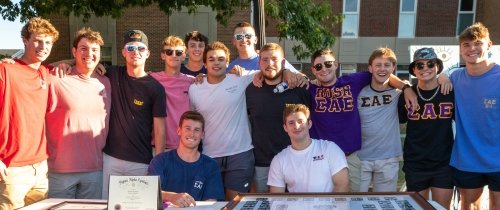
x=319 y=66
x=240 y=37
x=169 y=52
x=430 y=64
x=132 y=48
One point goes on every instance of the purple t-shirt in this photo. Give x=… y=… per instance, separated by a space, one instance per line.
x=334 y=111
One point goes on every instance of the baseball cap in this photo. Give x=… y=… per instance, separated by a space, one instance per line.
x=425 y=53
x=135 y=36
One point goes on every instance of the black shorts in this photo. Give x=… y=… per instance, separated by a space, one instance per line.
x=237 y=170
x=474 y=180
x=418 y=180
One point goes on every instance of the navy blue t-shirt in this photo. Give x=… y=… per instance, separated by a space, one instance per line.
x=201 y=179
x=187 y=71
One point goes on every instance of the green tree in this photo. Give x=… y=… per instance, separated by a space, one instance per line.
x=303 y=20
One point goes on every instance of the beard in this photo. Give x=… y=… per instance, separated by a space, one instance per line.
x=276 y=76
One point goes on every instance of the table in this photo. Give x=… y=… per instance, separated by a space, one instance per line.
x=201 y=205
x=47 y=203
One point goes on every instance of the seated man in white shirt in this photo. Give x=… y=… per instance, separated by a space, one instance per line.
x=308 y=165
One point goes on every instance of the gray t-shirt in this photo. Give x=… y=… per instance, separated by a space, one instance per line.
x=379 y=124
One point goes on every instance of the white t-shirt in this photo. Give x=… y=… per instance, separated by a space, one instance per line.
x=308 y=170
x=224 y=107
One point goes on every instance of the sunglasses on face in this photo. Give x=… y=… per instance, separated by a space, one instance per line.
x=169 y=52
x=240 y=37
x=421 y=65
x=132 y=48
x=319 y=66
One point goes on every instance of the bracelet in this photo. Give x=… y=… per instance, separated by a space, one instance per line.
x=405 y=86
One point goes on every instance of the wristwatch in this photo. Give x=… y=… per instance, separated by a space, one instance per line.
x=405 y=86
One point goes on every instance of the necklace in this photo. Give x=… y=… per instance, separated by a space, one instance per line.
x=427 y=99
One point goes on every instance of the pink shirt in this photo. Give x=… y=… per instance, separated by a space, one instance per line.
x=176 y=89
x=77 y=122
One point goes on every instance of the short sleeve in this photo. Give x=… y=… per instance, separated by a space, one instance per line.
x=214 y=188
x=337 y=160
x=157 y=165
x=402 y=111
x=276 y=177
x=159 y=102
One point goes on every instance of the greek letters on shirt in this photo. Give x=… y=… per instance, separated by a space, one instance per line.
x=335 y=99
x=318 y=157
x=429 y=111
x=375 y=100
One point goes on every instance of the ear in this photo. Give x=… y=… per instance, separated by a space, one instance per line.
x=309 y=124
x=163 y=56
x=124 y=53
x=73 y=51
x=284 y=127
x=25 y=41
x=370 y=69
x=179 y=131
x=283 y=63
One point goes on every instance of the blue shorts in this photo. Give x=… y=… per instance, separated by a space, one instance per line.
x=474 y=180
x=237 y=170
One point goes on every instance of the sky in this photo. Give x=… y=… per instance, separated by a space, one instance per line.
x=10 y=37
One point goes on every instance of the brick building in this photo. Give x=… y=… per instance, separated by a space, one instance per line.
x=368 y=24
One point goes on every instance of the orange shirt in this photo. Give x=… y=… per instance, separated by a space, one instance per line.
x=23 y=103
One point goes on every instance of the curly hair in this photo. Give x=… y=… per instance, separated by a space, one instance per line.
x=40 y=26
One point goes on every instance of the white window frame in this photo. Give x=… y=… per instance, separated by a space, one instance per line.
x=344 y=12
x=460 y=12
x=407 y=13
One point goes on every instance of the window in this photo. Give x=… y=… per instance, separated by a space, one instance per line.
x=466 y=14
x=347 y=68
x=407 y=15
x=402 y=72
x=351 y=19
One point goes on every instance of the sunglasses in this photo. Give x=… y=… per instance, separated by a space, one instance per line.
x=132 y=48
x=240 y=37
x=421 y=65
x=170 y=52
x=319 y=66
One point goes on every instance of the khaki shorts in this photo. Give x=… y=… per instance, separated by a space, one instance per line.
x=24 y=185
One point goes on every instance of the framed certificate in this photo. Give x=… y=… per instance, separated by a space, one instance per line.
x=93 y=205
x=134 y=192
x=329 y=201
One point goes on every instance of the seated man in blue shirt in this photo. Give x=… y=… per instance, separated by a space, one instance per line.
x=186 y=175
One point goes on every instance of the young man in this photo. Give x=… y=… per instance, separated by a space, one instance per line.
x=429 y=134
x=244 y=40
x=24 y=91
x=138 y=111
x=265 y=109
x=196 y=44
x=381 y=143
x=308 y=165
x=221 y=100
x=176 y=85
x=476 y=149
x=77 y=123
x=186 y=175
x=335 y=107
